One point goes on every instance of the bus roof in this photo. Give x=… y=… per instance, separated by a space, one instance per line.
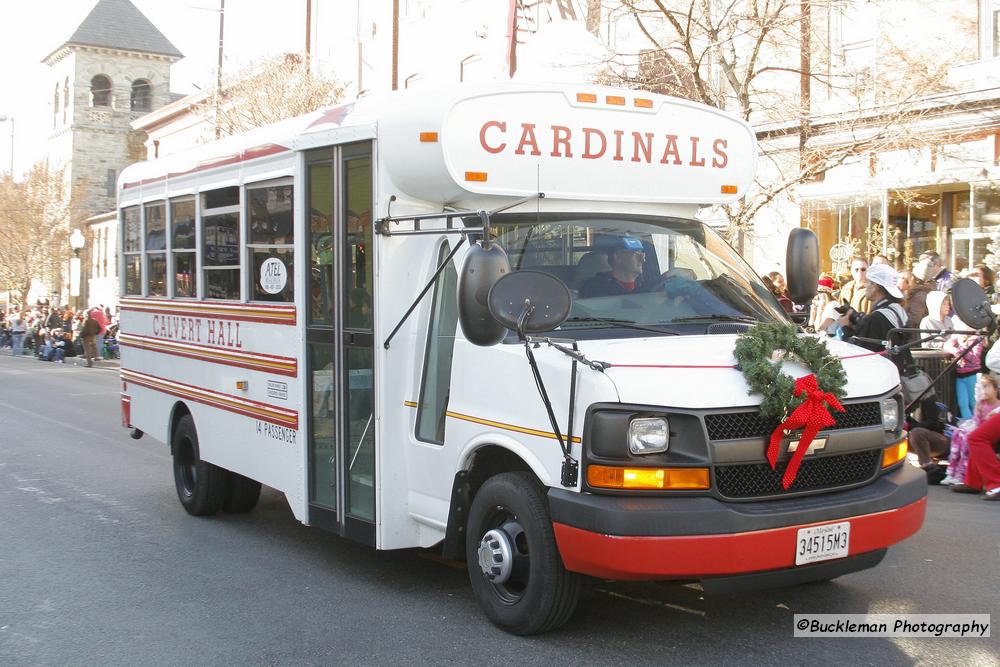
x=507 y=139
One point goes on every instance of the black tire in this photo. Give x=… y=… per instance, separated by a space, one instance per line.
x=201 y=486
x=539 y=595
x=242 y=494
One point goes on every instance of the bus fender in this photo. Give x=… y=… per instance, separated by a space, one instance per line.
x=466 y=459
x=178 y=410
x=464 y=486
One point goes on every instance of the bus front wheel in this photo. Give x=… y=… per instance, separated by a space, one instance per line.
x=514 y=564
x=201 y=486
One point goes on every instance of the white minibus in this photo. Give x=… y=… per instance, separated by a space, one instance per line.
x=487 y=320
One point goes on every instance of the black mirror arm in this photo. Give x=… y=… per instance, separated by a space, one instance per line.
x=570 y=465
x=574 y=353
x=430 y=283
x=523 y=318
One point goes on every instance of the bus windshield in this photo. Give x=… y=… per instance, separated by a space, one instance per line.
x=639 y=270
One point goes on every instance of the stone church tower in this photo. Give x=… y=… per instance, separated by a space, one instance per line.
x=113 y=69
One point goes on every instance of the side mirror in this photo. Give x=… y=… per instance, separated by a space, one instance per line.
x=482 y=268
x=802 y=265
x=972 y=305
x=530 y=302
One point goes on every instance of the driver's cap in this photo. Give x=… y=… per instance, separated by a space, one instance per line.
x=625 y=243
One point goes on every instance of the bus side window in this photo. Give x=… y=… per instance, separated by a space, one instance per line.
x=132 y=250
x=156 y=246
x=220 y=224
x=271 y=243
x=435 y=381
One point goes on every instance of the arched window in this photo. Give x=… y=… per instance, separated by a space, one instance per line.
x=142 y=95
x=65 y=98
x=55 y=106
x=100 y=91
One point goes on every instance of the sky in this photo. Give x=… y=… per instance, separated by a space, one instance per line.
x=31 y=30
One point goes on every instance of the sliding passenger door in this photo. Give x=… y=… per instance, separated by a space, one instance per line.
x=340 y=341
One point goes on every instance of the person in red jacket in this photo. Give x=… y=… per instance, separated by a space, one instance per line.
x=101 y=317
x=984 y=468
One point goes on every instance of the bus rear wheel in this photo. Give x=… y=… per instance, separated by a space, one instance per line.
x=514 y=564
x=201 y=486
x=242 y=494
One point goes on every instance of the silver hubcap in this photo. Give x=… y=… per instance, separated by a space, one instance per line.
x=495 y=557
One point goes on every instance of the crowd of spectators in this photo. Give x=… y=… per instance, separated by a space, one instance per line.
x=53 y=334
x=875 y=298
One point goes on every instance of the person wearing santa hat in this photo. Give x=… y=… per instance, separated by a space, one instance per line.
x=822 y=314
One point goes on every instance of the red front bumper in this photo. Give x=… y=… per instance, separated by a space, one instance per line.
x=697 y=556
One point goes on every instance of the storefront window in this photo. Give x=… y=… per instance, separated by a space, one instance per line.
x=913 y=225
x=846 y=228
x=986 y=219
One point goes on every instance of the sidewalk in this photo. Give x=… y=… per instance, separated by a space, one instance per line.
x=111 y=364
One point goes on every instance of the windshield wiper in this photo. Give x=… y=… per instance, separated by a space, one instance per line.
x=717 y=318
x=625 y=324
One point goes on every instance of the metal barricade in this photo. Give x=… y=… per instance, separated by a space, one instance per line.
x=933 y=362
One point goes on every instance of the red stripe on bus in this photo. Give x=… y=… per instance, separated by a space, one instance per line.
x=249 y=154
x=142 y=343
x=151 y=382
x=241 y=312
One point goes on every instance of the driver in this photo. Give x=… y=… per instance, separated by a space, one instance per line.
x=626 y=256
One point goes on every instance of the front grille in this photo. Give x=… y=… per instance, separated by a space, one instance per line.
x=737 y=425
x=755 y=480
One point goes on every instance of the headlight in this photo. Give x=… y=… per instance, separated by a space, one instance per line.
x=648 y=435
x=890 y=414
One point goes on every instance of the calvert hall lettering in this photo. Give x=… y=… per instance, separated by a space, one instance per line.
x=590 y=143
x=217 y=332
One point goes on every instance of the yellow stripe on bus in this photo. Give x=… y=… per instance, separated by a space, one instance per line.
x=506 y=427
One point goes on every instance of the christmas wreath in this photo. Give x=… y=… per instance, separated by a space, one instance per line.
x=797 y=403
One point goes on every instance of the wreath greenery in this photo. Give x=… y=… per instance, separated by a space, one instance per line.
x=754 y=351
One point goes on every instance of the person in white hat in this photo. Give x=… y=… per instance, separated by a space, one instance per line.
x=882 y=290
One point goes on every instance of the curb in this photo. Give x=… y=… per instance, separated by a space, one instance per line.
x=107 y=364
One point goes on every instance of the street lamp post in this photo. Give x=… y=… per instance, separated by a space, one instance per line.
x=76 y=242
x=11 y=120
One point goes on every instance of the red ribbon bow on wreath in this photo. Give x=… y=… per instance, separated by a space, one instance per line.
x=812 y=414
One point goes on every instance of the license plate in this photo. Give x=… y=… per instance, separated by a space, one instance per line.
x=822 y=542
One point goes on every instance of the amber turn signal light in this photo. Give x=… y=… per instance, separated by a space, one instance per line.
x=895 y=454
x=477 y=176
x=613 y=477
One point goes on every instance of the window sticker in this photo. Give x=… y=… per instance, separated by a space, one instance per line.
x=273 y=275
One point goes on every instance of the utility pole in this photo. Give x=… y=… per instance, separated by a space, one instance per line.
x=309 y=35
x=805 y=77
x=10 y=119
x=218 y=73
x=395 y=44
x=594 y=17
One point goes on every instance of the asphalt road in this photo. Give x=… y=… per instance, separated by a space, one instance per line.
x=100 y=565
